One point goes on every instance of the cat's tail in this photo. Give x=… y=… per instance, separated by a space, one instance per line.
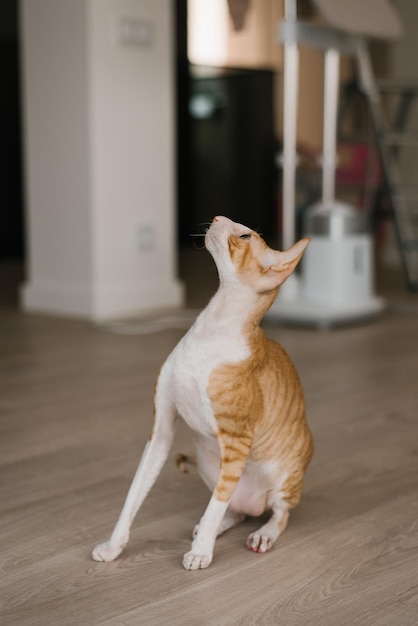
x=183 y=460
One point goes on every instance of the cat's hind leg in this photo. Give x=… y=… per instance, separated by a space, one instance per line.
x=280 y=501
x=263 y=539
x=230 y=520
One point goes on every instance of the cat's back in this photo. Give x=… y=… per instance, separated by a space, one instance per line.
x=279 y=364
x=281 y=430
x=280 y=386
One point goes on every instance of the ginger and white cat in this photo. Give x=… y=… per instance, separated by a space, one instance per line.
x=241 y=395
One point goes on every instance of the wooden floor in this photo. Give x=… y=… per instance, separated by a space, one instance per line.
x=76 y=410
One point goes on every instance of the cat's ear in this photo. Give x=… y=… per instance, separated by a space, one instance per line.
x=285 y=262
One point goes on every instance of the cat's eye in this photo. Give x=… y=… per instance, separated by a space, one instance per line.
x=246 y=236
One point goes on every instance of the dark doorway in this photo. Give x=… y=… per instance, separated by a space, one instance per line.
x=12 y=240
x=11 y=231
x=225 y=143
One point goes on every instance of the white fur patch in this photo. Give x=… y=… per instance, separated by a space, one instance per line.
x=186 y=373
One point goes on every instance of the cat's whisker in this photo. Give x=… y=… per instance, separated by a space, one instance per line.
x=196 y=245
x=194 y=242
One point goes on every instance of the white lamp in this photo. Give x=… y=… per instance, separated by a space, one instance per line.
x=336 y=283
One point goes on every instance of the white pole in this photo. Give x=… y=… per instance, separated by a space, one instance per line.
x=329 y=157
x=290 y=102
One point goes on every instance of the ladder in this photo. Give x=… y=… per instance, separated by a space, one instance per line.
x=391 y=138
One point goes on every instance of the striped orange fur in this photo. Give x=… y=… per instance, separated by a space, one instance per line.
x=260 y=412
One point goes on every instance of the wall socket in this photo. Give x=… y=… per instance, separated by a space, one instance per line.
x=135 y=33
x=145 y=237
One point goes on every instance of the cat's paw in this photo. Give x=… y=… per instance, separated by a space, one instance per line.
x=258 y=542
x=106 y=552
x=192 y=561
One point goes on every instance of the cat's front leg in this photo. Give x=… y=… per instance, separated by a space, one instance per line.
x=201 y=553
x=152 y=461
x=234 y=454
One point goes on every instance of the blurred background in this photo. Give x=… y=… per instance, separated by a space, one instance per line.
x=126 y=125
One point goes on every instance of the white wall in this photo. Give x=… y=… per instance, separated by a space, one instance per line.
x=403 y=55
x=99 y=140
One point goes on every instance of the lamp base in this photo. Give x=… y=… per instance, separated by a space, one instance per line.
x=300 y=311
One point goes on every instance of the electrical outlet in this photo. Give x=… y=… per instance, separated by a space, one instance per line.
x=135 y=33
x=145 y=237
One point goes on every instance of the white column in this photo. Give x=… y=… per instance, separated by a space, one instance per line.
x=99 y=156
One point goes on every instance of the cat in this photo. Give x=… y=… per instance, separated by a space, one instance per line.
x=240 y=393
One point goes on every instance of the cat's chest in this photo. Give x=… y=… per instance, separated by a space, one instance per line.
x=193 y=362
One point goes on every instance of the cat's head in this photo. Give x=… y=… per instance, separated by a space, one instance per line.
x=242 y=256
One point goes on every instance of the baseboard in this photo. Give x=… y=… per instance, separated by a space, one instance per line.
x=99 y=304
